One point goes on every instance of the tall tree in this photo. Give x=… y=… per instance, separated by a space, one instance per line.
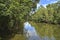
x=12 y=13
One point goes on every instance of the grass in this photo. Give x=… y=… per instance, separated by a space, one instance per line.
x=18 y=37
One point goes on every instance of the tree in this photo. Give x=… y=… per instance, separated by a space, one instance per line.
x=50 y=14
x=12 y=13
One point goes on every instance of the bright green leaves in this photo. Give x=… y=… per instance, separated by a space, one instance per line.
x=13 y=14
x=26 y=0
x=17 y=10
x=49 y=14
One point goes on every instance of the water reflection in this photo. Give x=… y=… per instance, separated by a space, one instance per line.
x=31 y=33
x=48 y=38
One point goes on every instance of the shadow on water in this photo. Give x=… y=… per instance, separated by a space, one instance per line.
x=31 y=33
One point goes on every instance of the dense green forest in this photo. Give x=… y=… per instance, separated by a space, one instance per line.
x=12 y=16
x=50 y=14
x=46 y=20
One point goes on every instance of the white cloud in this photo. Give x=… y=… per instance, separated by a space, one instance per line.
x=50 y=3
x=38 y=5
x=53 y=2
x=45 y=5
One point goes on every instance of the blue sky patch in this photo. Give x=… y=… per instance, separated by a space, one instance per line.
x=45 y=2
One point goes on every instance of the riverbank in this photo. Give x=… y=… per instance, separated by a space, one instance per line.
x=18 y=37
x=47 y=29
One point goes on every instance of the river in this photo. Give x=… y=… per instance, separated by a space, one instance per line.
x=31 y=33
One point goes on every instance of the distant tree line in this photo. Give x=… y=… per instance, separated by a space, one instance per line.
x=50 y=14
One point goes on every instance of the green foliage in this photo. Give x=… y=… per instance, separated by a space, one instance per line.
x=50 y=14
x=45 y=29
x=12 y=13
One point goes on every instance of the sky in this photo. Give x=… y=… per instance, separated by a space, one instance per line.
x=28 y=26
x=45 y=2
